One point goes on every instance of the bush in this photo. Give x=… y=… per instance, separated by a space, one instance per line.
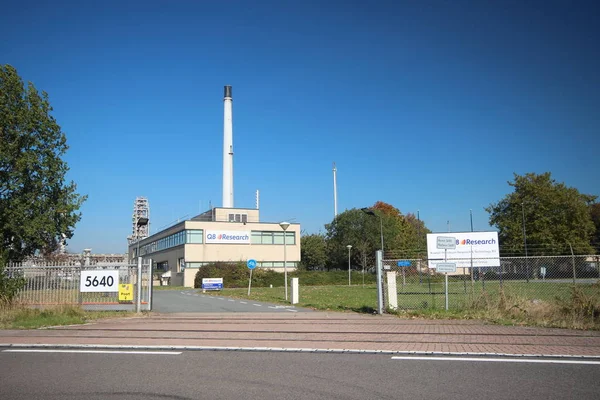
x=9 y=286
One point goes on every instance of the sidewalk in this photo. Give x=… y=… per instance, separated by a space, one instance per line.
x=319 y=331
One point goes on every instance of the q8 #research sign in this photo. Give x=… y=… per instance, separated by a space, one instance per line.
x=477 y=249
x=99 y=280
x=224 y=237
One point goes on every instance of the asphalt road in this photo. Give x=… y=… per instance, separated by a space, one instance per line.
x=185 y=301
x=281 y=376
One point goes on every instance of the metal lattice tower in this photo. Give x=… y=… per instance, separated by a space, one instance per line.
x=140 y=220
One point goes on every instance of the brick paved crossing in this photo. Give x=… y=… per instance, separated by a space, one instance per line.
x=319 y=330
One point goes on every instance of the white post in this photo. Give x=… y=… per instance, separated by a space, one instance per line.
x=285 y=265
x=138 y=304
x=295 y=291
x=392 y=290
x=445 y=251
x=250 y=283
x=379 y=266
x=349 y=273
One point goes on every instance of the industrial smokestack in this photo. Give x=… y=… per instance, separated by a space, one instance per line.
x=335 y=212
x=227 y=149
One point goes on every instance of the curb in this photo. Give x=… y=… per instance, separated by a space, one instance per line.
x=293 y=350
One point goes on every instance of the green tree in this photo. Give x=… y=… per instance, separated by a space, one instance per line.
x=555 y=217
x=313 y=253
x=37 y=206
x=358 y=229
x=362 y=230
x=595 y=215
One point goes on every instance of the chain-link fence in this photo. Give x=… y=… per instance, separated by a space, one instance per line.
x=113 y=286
x=420 y=286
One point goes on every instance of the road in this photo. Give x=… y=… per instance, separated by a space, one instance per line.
x=281 y=376
x=190 y=301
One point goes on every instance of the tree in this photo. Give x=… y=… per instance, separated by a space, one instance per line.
x=361 y=231
x=313 y=253
x=595 y=215
x=554 y=215
x=37 y=207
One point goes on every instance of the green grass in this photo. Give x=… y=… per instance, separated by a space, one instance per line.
x=170 y=288
x=28 y=318
x=536 y=303
x=338 y=298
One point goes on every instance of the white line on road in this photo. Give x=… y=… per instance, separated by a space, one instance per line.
x=230 y=300
x=257 y=305
x=159 y=353
x=513 y=360
x=243 y=302
x=292 y=310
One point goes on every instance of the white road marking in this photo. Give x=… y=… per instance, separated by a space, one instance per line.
x=160 y=353
x=513 y=360
x=243 y=302
x=257 y=305
x=220 y=298
x=230 y=300
x=292 y=310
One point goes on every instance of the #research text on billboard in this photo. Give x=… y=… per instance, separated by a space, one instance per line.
x=473 y=249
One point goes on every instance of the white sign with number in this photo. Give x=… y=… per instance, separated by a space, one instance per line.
x=100 y=280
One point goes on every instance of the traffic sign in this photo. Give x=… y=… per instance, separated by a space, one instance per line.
x=446 y=267
x=404 y=263
x=446 y=242
x=251 y=264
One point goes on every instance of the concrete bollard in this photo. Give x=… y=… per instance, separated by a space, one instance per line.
x=295 y=290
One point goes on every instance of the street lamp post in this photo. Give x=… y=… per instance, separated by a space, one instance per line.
x=284 y=225
x=349 y=279
x=525 y=243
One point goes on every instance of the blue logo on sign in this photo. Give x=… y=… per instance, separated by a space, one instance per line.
x=404 y=263
x=251 y=264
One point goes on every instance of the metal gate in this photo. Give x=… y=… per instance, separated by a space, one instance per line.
x=54 y=284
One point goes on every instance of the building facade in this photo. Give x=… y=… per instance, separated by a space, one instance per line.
x=219 y=235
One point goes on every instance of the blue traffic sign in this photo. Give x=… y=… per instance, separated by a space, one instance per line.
x=251 y=264
x=404 y=263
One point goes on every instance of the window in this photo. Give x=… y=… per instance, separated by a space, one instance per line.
x=265 y=237
x=237 y=218
x=162 y=266
x=180 y=265
x=195 y=236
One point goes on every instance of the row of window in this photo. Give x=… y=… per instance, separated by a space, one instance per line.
x=197 y=236
x=266 y=237
x=176 y=239
x=260 y=264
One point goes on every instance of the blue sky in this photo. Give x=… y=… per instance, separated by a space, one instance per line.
x=427 y=105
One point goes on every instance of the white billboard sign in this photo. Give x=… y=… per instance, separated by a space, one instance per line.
x=231 y=237
x=99 y=280
x=477 y=249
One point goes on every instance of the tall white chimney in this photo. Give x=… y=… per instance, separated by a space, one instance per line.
x=227 y=149
x=335 y=212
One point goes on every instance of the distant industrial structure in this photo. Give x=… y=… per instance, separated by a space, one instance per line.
x=140 y=220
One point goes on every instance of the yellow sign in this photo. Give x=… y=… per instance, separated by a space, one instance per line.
x=126 y=292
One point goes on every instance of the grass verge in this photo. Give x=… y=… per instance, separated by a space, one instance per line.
x=574 y=307
x=29 y=318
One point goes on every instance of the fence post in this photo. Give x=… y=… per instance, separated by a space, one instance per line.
x=573 y=259
x=138 y=303
x=151 y=284
x=379 y=266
